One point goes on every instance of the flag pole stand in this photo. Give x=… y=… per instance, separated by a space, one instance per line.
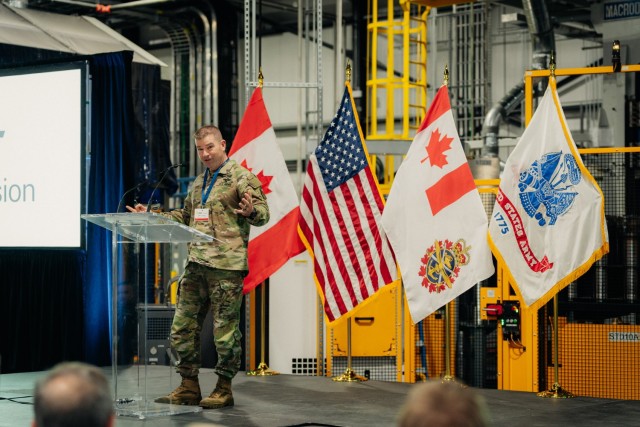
x=349 y=375
x=447 y=345
x=447 y=309
x=556 y=391
x=262 y=369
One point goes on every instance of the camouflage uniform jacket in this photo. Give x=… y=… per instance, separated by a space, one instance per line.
x=229 y=252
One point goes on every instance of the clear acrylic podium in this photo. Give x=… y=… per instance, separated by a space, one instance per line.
x=131 y=235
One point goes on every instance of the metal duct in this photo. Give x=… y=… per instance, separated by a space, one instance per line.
x=203 y=77
x=543 y=41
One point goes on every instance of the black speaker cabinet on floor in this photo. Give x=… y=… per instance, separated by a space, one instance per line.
x=157 y=327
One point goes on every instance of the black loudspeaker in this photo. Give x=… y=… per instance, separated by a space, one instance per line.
x=156 y=327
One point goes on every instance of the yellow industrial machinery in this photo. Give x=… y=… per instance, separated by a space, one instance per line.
x=383 y=328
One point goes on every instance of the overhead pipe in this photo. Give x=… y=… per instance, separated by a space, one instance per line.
x=212 y=66
x=205 y=68
x=201 y=64
x=137 y=3
x=205 y=75
x=111 y=7
x=185 y=32
x=543 y=41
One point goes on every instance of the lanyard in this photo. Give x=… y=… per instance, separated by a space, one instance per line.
x=205 y=194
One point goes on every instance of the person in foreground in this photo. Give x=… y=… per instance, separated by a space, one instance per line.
x=73 y=394
x=443 y=404
x=223 y=202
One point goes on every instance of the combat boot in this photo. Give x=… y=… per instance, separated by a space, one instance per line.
x=187 y=393
x=221 y=396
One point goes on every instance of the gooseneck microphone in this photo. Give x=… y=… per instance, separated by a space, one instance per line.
x=162 y=175
x=146 y=181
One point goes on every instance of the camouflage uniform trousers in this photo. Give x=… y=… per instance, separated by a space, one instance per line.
x=201 y=287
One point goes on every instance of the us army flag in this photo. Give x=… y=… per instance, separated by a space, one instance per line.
x=434 y=217
x=548 y=225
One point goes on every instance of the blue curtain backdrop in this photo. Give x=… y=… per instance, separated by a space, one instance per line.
x=111 y=142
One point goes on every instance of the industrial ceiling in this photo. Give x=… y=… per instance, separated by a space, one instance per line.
x=569 y=17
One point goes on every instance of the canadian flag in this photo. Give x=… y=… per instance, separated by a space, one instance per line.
x=255 y=148
x=434 y=216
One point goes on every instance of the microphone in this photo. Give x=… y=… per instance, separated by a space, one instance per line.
x=162 y=175
x=146 y=181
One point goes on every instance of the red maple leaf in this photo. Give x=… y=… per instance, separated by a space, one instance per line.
x=265 y=180
x=436 y=148
x=422 y=271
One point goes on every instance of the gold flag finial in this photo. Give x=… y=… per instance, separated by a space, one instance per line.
x=445 y=78
x=348 y=72
x=552 y=64
x=615 y=56
x=260 y=77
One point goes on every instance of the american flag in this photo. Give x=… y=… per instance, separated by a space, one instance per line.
x=340 y=216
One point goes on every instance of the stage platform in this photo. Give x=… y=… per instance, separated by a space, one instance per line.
x=293 y=400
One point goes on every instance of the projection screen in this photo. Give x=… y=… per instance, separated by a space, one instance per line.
x=42 y=135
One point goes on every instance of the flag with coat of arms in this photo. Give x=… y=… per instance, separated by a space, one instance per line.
x=548 y=224
x=255 y=147
x=434 y=216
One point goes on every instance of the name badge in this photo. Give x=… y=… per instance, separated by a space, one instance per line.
x=201 y=215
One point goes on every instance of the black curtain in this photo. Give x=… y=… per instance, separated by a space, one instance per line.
x=41 y=308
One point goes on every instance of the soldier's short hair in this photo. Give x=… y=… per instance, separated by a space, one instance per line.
x=206 y=131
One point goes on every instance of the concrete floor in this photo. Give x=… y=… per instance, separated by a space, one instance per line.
x=292 y=400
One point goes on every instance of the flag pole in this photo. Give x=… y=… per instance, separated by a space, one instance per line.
x=556 y=391
x=262 y=369
x=447 y=310
x=447 y=345
x=349 y=375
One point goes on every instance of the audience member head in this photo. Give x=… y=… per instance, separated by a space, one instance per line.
x=73 y=394
x=443 y=404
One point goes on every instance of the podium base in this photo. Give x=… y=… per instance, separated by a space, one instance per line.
x=142 y=409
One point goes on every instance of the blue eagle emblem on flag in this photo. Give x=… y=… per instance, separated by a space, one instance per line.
x=547 y=187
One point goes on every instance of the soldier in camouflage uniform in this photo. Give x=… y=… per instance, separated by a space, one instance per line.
x=224 y=202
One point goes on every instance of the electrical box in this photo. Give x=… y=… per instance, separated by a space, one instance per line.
x=490 y=303
x=510 y=320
